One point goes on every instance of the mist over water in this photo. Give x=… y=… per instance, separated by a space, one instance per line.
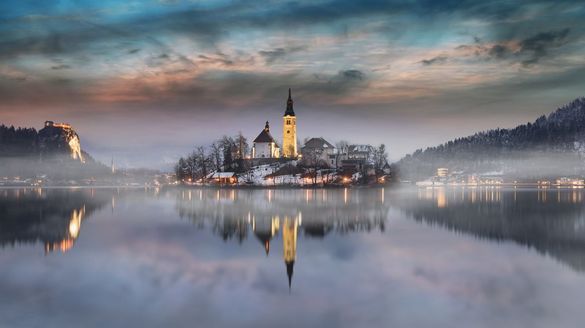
x=439 y=257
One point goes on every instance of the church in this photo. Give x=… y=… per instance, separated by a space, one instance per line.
x=266 y=147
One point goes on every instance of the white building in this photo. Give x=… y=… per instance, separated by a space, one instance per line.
x=264 y=145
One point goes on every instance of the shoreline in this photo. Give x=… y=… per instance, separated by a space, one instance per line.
x=292 y=187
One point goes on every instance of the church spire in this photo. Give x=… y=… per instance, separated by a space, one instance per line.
x=289 y=105
x=289 y=272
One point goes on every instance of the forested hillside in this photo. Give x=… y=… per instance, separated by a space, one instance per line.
x=551 y=145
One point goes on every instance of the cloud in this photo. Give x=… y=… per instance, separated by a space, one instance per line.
x=60 y=67
x=538 y=45
x=279 y=53
x=208 y=25
x=499 y=51
x=527 y=51
x=353 y=74
x=434 y=60
x=219 y=58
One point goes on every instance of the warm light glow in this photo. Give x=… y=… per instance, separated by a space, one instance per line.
x=75 y=147
x=441 y=198
x=75 y=222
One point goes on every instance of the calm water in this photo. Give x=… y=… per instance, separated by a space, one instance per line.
x=302 y=258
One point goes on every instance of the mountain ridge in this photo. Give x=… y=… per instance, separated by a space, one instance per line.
x=559 y=134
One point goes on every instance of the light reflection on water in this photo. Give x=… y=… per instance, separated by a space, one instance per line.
x=341 y=257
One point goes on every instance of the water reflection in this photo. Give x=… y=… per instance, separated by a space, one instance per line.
x=50 y=217
x=271 y=214
x=173 y=257
x=552 y=221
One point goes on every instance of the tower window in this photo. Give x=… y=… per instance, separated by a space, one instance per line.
x=287 y=121
x=287 y=131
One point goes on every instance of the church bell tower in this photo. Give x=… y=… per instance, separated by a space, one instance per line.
x=289 y=130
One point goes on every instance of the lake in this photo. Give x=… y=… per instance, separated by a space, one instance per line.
x=473 y=257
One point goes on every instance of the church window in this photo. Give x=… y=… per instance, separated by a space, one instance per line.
x=287 y=131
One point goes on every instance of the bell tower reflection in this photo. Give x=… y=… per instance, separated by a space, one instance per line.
x=289 y=245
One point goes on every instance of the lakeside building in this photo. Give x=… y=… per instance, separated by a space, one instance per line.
x=319 y=150
x=442 y=172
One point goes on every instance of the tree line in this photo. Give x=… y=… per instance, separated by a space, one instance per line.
x=225 y=154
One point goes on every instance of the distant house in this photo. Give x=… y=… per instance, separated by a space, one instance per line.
x=353 y=164
x=362 y=152
x=223 y=178
x=357 y=157
x=264 y=145
x=319 y=149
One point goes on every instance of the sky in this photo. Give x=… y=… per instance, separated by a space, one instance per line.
x=145 y=82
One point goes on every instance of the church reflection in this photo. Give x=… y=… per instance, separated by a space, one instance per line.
x=283 y=215
x=50 y=217
x=289 y=245
x=265 y=230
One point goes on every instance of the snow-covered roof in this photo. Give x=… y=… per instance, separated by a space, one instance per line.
x=318 y=143
x=222 y=175
x=360 y=148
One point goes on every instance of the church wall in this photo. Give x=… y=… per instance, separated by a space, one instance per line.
x=265 y=150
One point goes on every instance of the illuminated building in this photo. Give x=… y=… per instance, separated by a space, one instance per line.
x=289 y=130
x=264 y=145
x=442 y=172
x=224 y=178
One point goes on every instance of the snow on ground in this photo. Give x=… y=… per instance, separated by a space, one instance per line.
x=258 y=175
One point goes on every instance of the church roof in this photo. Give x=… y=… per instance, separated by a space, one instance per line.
x=264 y=237
x=265 y=136
x=289 y=106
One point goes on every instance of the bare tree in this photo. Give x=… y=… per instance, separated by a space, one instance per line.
x=342 y=147
x=229 y=150
x=380 y=160
x=216 y=156
x=243 y=146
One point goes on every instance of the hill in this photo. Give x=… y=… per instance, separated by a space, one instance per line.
x=552 y=145
x=54 y=151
